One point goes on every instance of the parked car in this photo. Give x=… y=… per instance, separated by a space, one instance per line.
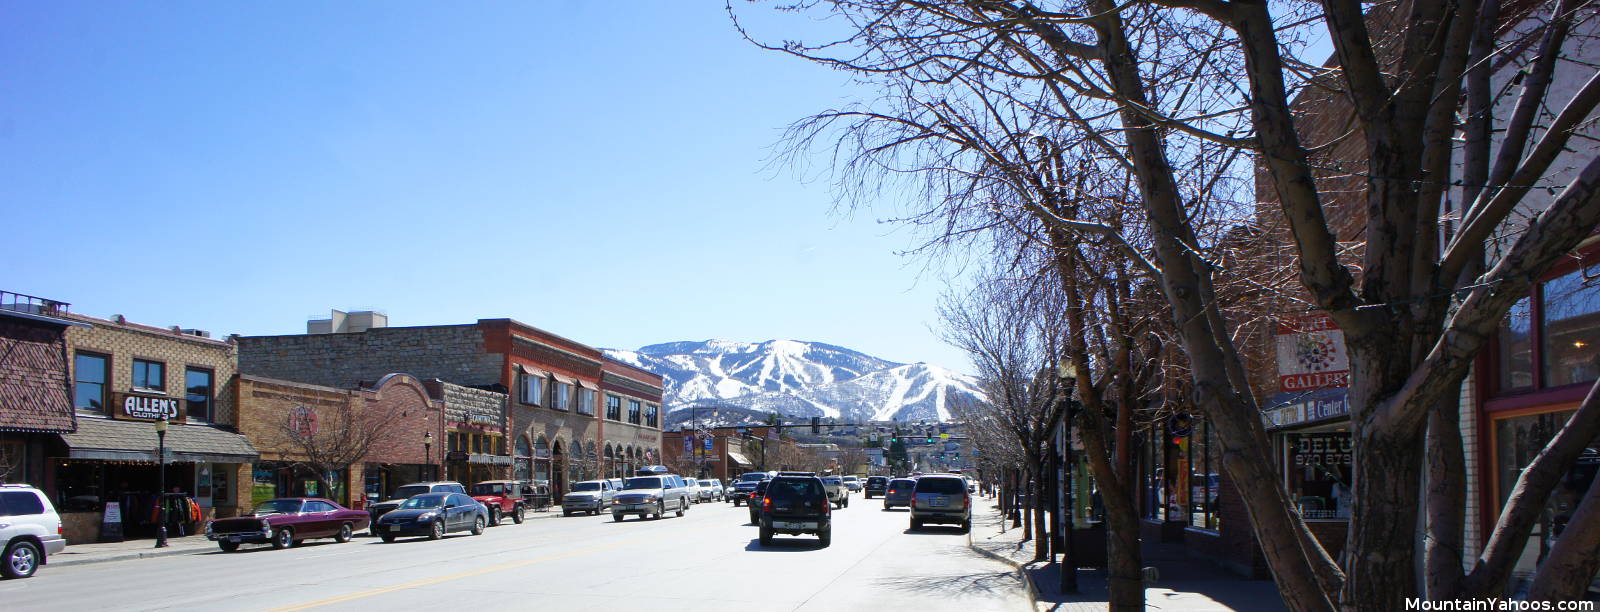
x=592 y=496
x=693 y=485
x=651 y=496
x=433 y=515
x=941 y=498
x=853 y=483
x=837 y=493
x=899 y=493
x=796 y=505
x=378 y=509
x=30 y=529
x=745 y=484
x=501 y=498
x=875 y=484
x=753 y=500
x=712 y=490
x=286 y=522
x=616 y=483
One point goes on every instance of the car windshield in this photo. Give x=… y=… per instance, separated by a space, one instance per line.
x=643 y=482
x=941 y=485
x=752 y=477
x=794 y=489
x=410 y=490
x=902 y=483
x=831 y=480
x=424 y=501
x=586 y=486
x=489 y=488
x=279 y=506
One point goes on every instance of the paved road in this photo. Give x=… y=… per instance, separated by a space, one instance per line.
x=707 y=560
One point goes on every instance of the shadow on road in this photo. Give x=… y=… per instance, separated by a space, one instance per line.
x=985 y=583
x=785 y=545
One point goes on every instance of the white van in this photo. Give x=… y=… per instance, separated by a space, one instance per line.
x=29 y=528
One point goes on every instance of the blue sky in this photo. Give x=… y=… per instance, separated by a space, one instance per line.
x=598 y=169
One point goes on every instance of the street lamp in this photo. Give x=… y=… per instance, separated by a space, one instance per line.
x=1069 y=559
x=161 y=478
x=427 y=450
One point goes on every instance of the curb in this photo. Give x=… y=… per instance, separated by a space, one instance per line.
x=1021 y=569
x=70 y=558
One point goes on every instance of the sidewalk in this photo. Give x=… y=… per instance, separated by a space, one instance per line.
x=1185 y=583
x=101 y=552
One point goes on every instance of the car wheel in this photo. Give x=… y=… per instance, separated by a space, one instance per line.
x=661 y=509
x=846 y=502
x=387 y=539
x=616 y=517
x=437 y=531
x=681 y=506
x=345 y=533
x=766 y=534
x=477 y=526
x=283 y=538
x=494 y=516
x=566 y=513
x=228 y=546
x=916 y=525
x=21 y=560
x=885 y=506
x=825 y=537
x=966 y=526
x=516 y=515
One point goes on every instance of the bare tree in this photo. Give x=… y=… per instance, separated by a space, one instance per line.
x=1165 y=91
x=330 y=439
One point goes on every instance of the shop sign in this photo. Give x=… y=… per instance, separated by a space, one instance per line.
x=1292 y=409
x=455 y=456
x=303 y=421
x=1311 y=354
x=688 y=444
x=1323 y=449
x=150 y=407
x=709 y=440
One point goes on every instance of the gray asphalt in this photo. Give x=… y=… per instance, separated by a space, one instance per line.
x=707 y=560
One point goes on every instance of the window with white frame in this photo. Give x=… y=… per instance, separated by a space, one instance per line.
x=563 y=396
x=532 y=389
x=585 y=400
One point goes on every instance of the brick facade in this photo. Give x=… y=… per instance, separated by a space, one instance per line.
x=125 y=342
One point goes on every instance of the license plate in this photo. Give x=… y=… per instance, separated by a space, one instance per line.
x=794 y=525
x=937 y=501
x=233 y=538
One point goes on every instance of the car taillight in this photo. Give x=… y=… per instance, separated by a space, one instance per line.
x=966 y=502
x=60 y=531
x=766 y=503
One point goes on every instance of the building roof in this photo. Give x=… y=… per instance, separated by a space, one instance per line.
x=99 y=438
x=33 y=378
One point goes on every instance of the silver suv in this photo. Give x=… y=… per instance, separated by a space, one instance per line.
x=651 y=496
x=30 y=529
x=592 y=496
x=941 y=498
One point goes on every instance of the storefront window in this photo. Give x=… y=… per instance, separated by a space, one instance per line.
x=89 y=383
x=1570 y=330
x=1204 y=463
x=1318 y=468
x=1516 y=347
x=1517 y=441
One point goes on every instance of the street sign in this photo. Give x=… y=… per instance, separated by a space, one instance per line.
x=944 y=436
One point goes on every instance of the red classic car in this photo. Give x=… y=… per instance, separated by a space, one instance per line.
x=502 y=498
x=288 y=522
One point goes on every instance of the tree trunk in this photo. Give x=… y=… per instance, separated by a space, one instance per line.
x=1383 y=521
x=1447 y=500
x=1041 y=535
x=1124 y=561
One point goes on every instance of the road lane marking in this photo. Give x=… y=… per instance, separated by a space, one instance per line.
x=456 y=576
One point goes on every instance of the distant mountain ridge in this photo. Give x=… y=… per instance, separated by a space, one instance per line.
x=798 y=379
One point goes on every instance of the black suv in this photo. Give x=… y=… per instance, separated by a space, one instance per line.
x=875 y=484
x=755 y=501
x=796 y=505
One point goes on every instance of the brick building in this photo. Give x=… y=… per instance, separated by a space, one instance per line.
x=570 y=413
x=733 y=451
x=125 y=376
x=396 y=419
x=35 y=397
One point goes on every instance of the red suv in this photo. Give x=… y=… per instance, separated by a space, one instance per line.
x=502 y=498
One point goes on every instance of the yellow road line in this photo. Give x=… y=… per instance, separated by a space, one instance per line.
x=438 y=579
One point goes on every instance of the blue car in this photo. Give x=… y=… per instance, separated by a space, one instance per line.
x=432 y=515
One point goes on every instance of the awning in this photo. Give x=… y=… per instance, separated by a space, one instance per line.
x=566 y=379
x=740 y=459
x=589 y=385
x=532 y=371
x=488 y=459
x=114 y=440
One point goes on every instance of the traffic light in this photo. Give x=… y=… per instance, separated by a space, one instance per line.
x=928 y=440
x=815 y=427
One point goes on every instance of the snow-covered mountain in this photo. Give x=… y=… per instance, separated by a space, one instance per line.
x=798 y=379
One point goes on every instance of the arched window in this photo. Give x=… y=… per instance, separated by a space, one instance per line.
x=524 y=448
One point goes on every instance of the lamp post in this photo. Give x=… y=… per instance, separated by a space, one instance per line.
x=161 y=478
x=1069 y=558
x=427 y=451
